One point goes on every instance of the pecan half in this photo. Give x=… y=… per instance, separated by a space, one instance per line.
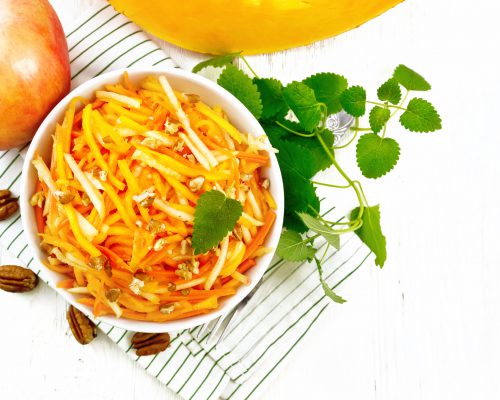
x=84 y=330
x=147 y=344
x=8 y=204
x=17 y=279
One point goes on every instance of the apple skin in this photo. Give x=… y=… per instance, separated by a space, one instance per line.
x=34 y=68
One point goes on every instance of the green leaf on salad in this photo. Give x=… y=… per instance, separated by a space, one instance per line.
x=271 y=94
x=214 y=217
x=327 y=88
x=242 y=87
x=376 y=156
x=378 y=118
x=302 y=101
x=327 y=289
x=319 y=227
x=390 y=91
x=353 y=101
x=420 y=116
x=219 y=61
x=410 y=79
x=292 y=247
x=370 y=232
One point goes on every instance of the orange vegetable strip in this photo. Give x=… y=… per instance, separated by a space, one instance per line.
x=94 y=148
x=257 y=158
x=66 y=283
x=270 y=200
x=133 y=186
x=75 y=228
x=114 y=259
x=88 y=301
x=225 y=125
x=118 y=203
x=261 y=234
x=246 y=265
x=40 y=220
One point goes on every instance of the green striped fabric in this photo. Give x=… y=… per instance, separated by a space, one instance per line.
x=275 y=321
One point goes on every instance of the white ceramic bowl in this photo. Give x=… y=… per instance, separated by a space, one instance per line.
x=185 y=82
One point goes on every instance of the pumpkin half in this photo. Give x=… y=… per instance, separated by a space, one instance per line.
x=251 y=26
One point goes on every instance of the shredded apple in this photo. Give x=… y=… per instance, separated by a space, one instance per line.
x=115 y=206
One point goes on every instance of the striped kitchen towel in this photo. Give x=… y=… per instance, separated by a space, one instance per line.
x=277 y=318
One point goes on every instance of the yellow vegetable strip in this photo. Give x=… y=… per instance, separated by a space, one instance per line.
x=219 y=264
x=250 y=220
x=184 y=169
x=54 y=241
x=133 y=186
x=94 y=194
x=118 y=203
x=225 y=125
x=212 y=162
x=94 y=149
x=153 y=163
x=108 y=130
x=117 y=109
x=119 y=98
x=131 y=124
x=79 y=236
x=179 y=187
x=119 y=231
x=60 y=164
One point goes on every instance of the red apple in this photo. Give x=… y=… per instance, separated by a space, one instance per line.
x=34 y=68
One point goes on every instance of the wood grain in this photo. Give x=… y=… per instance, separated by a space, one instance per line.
x=428 y=325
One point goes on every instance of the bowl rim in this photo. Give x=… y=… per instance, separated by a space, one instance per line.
x=254 y=128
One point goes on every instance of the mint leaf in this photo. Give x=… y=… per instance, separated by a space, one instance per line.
x=271 y=94
x=327 y=88
x=319 y=227
x=219 y=61
x=420 y=116
x=370 y=232
x=292 y=247
x=241 y=86
x=376 y=156
x=353 y=101
x=410 y=79
x=328 y=291
x=302 y=101
x=390 y=91
x=297 y=166
x=378 y=118
x=319 y=158
x=214 y=217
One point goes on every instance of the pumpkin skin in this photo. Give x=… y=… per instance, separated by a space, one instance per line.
x=251 y=26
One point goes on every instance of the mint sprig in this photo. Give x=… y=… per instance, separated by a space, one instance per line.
x=294 y=117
